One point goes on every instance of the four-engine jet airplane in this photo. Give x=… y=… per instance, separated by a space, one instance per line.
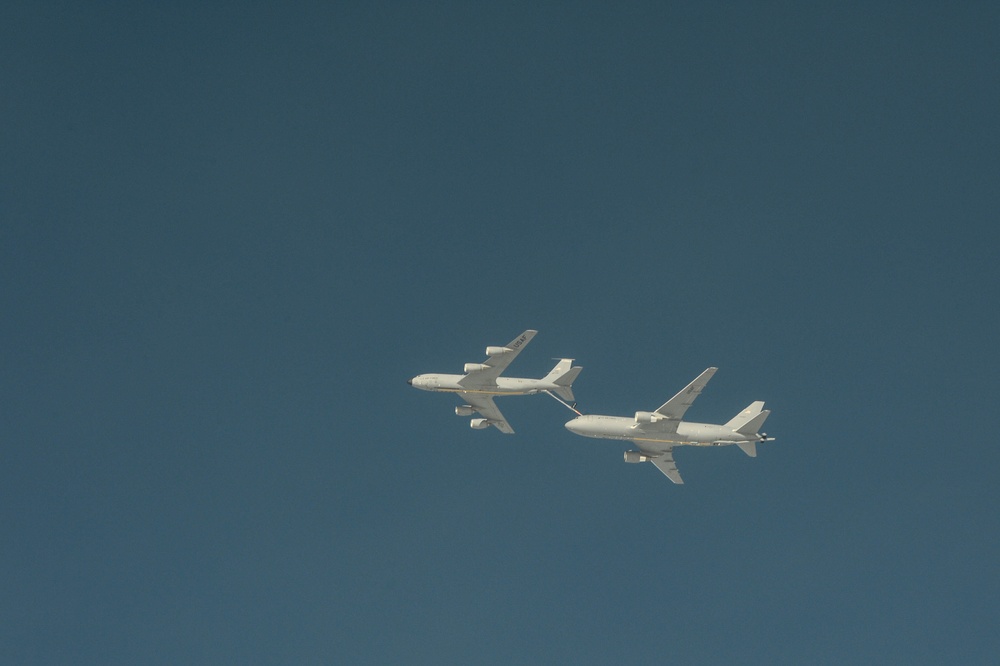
x=482 y=382
x=657 y=433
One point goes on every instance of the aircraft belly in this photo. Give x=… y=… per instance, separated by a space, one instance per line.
x=517 y=386
x=647 y=434
x=648 y=446
x=702 y=434
x=503 y=386
x=494 y=391
x=485 y=390
x=671 y=439
x=658 y=443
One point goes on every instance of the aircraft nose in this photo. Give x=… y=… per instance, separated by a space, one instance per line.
x=410 y=382
x=574 y=425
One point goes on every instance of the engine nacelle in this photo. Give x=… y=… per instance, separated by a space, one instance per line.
x=475 y=367
x=496 y=351
x=465 y=410
x=479 y=424
x=635 y=457
x=647 y=417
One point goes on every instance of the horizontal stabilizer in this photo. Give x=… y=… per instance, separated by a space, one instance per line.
x=563 y=376
x=566 y=393
x=753 y=426
x=569 y=377
x=749 y=448
x=744 y=417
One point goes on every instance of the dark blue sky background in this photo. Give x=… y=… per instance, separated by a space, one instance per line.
x=230 y=233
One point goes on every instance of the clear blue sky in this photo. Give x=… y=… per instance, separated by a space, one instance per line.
x=229 y=234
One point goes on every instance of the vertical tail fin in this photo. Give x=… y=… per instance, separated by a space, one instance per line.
x=563 y=376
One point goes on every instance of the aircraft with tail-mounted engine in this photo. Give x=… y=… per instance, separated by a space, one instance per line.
x=656 y=434
x=482 y=382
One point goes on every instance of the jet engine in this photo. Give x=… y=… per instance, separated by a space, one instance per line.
x=479 y=424
x=635 y=457
x=647 y=417
x=496 y=351
x=475 y=367
x=465 y=410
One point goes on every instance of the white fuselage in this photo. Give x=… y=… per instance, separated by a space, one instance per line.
x=655 y=437
x=504 y=385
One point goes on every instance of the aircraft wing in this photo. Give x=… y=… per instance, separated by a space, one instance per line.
x=490 y=369
x=674 y=408
x=665 y=463
x=487 y=408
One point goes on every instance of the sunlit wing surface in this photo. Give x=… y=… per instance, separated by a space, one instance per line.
x=485 y=375
x=487 y=408
x=665 y=463
x=674 y=408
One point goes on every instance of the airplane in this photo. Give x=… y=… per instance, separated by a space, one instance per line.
x=482 y=382
x=657 y=433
